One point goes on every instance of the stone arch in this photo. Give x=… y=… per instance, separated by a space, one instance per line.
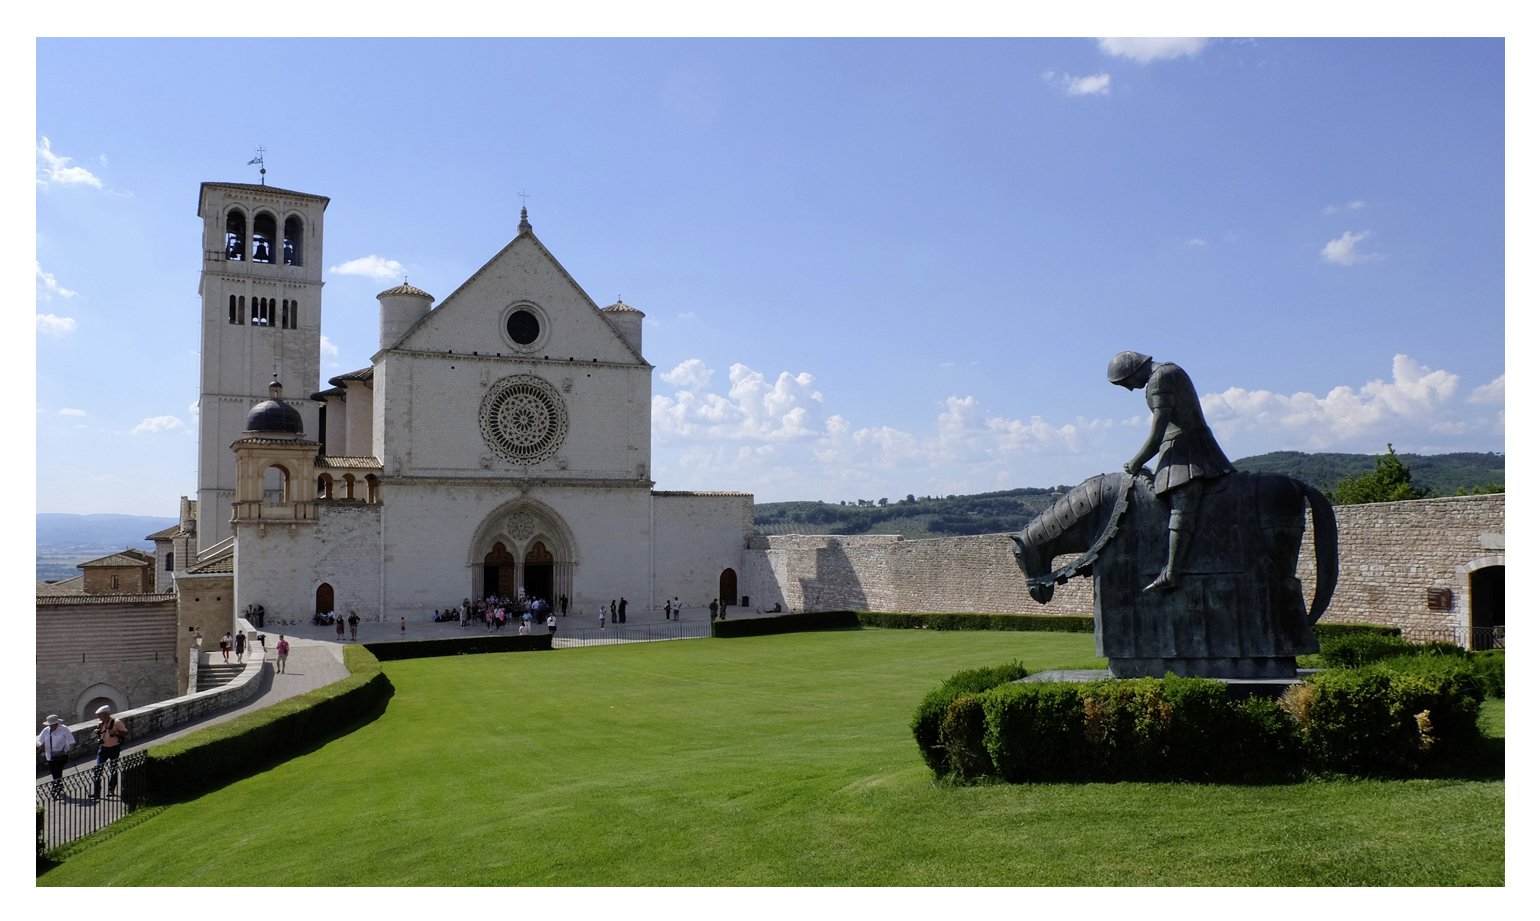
x=1470 y=583
x=94 y=696
x=519 y=525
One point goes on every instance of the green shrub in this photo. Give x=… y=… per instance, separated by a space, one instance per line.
x=212 y=756
x=1266 y=745
x=1358 y=649
x=784 y=623
x=1324 y=632
x=1060 y=623
x=1488 y=666
x=458 y=646
x=1459 y=671
x=929 y=717
x=1377 y=720
x=1037 y=732
x=962 y=737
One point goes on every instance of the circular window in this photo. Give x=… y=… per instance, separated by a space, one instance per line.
x=523 y=327
x=523 y=419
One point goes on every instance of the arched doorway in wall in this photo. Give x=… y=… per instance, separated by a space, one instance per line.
x=497 y=572
x=1487 y=607
x=325 y=598
x=727 y=587
x=539 y=572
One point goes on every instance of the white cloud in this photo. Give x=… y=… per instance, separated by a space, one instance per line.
x=1097 y=85
x=690 y=375
x=689 y=315
x=371 y=266
x=753 y=409
x=158 y=424
x=1415 y=401
x=1197 y=243
x=193 y=408
x=107 y=478
x=1350 y=206
x=72 y=412
x=327 y=348
x=1490 y=393
x=47 y=286
x=1343 y=250
x=54 y=168
x=1145 y=50
x=55 y=326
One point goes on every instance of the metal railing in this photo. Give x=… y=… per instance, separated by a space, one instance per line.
x=90 y=799
x=641 y=633
x=1469 y=637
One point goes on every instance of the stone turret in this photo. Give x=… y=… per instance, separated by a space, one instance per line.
x=627 y=321
x=400 y=309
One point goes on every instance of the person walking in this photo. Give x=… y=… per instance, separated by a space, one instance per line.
x=283 y=655
x=601 y=617
x=622 y=608
x=564 y=605
x=550 y=622
x=677 y=608
x=403 y=626
x=713 y=609
x=111 y=733
x=240 y=647
x=353 y=624
x=56 y=742
x=668 y=605
x=224 y=646
x=341 y=626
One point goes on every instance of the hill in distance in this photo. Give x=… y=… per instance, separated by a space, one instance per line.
x=66 y=540
x=1011 y=509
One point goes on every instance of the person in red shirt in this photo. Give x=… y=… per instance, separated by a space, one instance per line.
x=283 y=653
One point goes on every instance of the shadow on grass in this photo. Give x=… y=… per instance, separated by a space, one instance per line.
x=188 y=792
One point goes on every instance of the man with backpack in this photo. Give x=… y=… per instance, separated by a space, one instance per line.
x=111 y=733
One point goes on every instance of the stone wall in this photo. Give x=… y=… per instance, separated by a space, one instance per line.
x=122 y=648
x=696 y=536
x=205 y=609
x=1390 y=555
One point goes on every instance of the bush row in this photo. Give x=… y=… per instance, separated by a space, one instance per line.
x=458 y=646
x=1485 y=670
x=1327 y=631
x=1063 y=623
x=220 y=753
x=784 y=623
x=1373 y=721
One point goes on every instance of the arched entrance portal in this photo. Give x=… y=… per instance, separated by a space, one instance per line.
x=539 y=572
x=498 y=572
x=1487 y=607
x=523 y=545
x=727 y=587
x=325 y=598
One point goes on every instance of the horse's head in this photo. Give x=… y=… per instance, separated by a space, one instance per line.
x=1031 y=564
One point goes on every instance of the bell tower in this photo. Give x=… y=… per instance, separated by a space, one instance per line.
x=261 y=300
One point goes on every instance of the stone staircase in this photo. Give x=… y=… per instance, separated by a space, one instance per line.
x=213 y=675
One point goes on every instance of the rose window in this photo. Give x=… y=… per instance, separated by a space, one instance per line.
x=523 y=419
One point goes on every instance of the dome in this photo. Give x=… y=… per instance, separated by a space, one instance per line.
x=399 y=290
x=275 y=416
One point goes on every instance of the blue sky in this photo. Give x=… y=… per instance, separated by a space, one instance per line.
x=870 y=267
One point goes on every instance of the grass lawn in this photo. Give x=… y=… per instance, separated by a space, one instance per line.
x=781 y=760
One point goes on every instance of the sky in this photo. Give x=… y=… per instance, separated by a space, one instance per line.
x=870 y=268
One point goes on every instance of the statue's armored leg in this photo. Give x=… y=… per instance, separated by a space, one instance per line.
x=1185 y=501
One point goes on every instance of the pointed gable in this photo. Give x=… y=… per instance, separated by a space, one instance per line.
x=475 y=317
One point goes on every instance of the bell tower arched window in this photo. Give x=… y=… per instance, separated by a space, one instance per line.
x=293 y=241
x=264 y=236
x=235 y=236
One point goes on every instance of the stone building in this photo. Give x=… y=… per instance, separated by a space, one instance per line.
x=499 y=442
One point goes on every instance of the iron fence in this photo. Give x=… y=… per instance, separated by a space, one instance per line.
x=88 y=800
x=641 y=633
x=1469 y=637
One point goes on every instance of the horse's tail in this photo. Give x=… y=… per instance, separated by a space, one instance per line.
x=1324 y=521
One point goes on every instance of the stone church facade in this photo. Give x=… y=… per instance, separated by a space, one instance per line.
x=498 y=442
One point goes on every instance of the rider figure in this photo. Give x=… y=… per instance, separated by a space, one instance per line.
x=1188 y=452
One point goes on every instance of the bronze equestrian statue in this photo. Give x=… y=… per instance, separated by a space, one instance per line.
x=1193 y=566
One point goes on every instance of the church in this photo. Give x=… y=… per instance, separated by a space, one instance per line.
x=497 y=443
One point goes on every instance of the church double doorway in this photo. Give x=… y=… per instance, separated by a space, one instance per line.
x=524 y=551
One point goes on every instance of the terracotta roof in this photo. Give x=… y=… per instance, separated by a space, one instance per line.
x=125 y=558
x=161 y=598
x=404 y=289
x=259 y=440
x=75 y=585
x=330 y=392
x=223 y=563
x=247 y=186
x=362 y=374
x=167 y=533
x=327 y=460
x=619 y=307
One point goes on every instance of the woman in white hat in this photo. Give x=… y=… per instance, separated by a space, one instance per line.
x=56 y=742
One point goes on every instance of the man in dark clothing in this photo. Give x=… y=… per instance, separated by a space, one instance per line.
x=622 y=609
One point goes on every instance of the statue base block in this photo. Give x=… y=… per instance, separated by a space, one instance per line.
x=1238 y=687
x=1210 y=667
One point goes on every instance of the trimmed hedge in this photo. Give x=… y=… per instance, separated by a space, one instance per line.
x=1352 y=650
x=1395 y=718
x=1489 y=666
x=1061 y=623
x=929 y=719
x=1327 y=631
x=458 y=646
x=225 y=751
x=784 y=623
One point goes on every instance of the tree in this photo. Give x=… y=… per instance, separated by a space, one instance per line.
x=1389 y=481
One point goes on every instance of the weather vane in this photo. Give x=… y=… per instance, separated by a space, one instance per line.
x=257 y=161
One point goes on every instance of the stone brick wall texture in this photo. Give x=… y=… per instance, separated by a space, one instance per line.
x=1390 y=554
x=129 y=644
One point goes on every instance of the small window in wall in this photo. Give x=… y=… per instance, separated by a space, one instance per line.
x=283 y=316
x=373 y=483
x=114 y=581
x=235 y=236
x=264 y=236
x=232 y=310
x=170 y=562
x=294 y=314
x=240 y=313
x=261 y=311
x=293 y=241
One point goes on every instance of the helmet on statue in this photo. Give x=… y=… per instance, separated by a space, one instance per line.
x=1124 y=365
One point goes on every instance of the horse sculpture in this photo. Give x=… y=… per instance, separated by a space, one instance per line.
x=1238 y=611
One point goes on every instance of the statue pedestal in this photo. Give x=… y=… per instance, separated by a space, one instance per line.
x=1238 y=687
